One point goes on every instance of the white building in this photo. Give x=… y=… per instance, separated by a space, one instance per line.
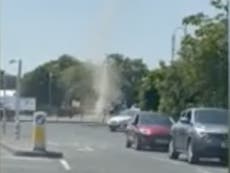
x=7 y=100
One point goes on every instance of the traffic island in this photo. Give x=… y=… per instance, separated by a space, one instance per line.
x=30 y=153
x=47 y=154
x=37 y=148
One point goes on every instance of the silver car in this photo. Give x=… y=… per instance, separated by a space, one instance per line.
x=121 y=120
x=200 y=132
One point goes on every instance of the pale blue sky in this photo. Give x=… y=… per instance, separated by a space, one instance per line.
x=40 y=30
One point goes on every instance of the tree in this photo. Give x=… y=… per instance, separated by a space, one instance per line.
x=199 y=76
x=36 y=83
x=148 y=93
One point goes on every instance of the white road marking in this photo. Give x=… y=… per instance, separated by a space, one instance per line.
x=65 y=164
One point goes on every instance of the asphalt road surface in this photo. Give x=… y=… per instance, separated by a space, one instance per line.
x=93 y=149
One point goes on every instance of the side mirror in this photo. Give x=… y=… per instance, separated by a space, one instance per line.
x=133 y=124
x=184 y=120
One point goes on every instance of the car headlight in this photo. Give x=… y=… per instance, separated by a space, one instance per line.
x=145 y=131
x=201 y=132
x=112 y=122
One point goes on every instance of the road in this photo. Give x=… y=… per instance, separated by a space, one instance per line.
x=93 y=149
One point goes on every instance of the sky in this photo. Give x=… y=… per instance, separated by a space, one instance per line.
x=37 y=31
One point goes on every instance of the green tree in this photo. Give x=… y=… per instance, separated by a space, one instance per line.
x=199 y=76
x=36 y=83
x=148 y=94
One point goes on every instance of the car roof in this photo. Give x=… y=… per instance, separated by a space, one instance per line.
x=151 y=112
x=206 y=108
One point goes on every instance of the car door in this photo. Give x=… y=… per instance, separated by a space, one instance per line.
x=177 y=132
x=132 y=128
x=185 y=128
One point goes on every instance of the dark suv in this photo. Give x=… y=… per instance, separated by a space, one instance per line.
x=200 y=132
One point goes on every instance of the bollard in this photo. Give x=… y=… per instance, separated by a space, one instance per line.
x=39 y=134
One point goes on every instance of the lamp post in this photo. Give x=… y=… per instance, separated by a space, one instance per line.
x=228 y=20
x=17 y=98
x=50 y=90
x=4 y=102
x=184 y=29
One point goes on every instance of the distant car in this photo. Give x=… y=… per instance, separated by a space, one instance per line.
x=120 y=121
x=200 y=132
x=148 y=129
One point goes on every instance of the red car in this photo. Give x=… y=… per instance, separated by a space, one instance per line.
x=148 y=129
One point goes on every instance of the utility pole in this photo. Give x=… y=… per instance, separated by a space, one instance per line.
x=17 y=102
x=17 y=99
x=228 y=19
x=173 y=40
x=50 y=91
x=4 y=103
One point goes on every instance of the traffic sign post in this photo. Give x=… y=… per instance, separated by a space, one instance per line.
x=39 y=135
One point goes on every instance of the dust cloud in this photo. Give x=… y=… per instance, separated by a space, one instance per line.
x=106 y=79
x=107 y=88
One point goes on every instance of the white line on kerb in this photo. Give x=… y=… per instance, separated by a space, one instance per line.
x=65 y=164
x=26 y=158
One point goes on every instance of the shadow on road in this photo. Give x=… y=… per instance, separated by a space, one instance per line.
x=207 y=162
x=155 y=150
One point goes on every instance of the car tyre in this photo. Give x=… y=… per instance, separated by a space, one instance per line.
x=224 y=160
x=137 y=143
x=112 y=129
x=192 y=155
x=128 y=143
x=173 y=154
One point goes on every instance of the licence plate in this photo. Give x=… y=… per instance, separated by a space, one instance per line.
x=162 y=141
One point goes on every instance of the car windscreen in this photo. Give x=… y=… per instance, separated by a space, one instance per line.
x=152 y=119
x=212 y=117
x=128 y=113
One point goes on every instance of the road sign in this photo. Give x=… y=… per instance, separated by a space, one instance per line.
x=40 y=120
x=39 y=135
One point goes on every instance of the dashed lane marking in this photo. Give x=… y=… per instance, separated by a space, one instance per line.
x=65 y=164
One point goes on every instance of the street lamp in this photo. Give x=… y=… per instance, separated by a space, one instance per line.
x=3 y=86
x=184 y=29
x=228 y=16
x=17 y=98
x=50 y=90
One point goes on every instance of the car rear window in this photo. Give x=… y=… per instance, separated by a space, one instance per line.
x=154 y=119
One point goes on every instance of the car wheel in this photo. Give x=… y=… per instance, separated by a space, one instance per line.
x=128 y=143
x=112 y=129
x=192 y=156
x=137 y=143
x=173 y=154
x=224 y=160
